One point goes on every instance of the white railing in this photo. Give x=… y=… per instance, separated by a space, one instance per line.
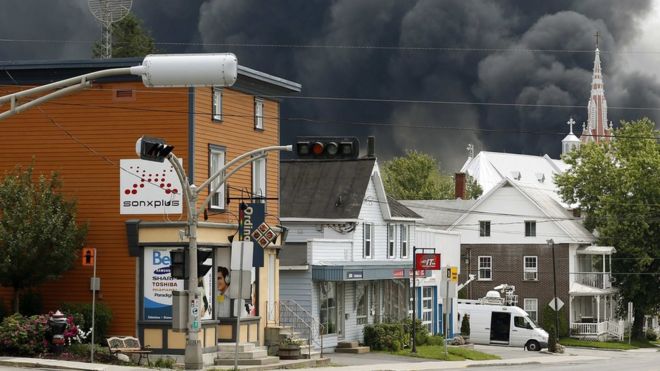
x=584 y=328
x=598 y=280
x=609 y=328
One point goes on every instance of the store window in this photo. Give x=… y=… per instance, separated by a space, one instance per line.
x=362 y=301
x=328 y=307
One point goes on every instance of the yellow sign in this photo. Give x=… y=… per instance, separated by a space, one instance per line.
x=454 y=274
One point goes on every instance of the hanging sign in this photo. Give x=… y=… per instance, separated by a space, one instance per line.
x=427 y=261
x=250 y=217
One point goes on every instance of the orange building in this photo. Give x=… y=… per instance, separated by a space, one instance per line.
x=89 y=138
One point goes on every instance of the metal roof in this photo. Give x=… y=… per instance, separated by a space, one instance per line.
x=596 y=250
x=398 y=210
x=439 y=213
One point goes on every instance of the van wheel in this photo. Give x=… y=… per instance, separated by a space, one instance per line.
x=533 y=346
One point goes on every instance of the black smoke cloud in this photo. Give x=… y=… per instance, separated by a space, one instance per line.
x=500 y=68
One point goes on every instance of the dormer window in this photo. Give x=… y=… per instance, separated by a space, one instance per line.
x=516 y=175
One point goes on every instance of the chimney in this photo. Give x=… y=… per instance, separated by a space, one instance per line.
x=459 y=188
x=371 y=147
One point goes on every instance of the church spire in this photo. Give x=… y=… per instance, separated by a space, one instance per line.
x=597 y=128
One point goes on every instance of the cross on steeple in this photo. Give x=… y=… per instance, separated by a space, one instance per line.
x=570 y=123
x=597 y=35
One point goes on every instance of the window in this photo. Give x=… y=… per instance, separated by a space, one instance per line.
x=216 y=162
x=362 y=300
x=328 y=307
x=484 y=228
x=485 y=268
x=427 y=308
x=530 y=228
x=391 y=229
x=521 y=322
x=531 y=306
x=395 y=300
x=259 y=180
x=217 y=104
x=258 y=113
x=368 y=231
x=403 y=232
x=531 y=268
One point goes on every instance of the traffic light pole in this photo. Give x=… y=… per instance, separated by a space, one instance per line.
x=193 y=357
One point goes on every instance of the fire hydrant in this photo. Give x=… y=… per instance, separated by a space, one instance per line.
x=57 y=324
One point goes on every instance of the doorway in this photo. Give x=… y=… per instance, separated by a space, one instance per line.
x=340 y=310
x=500 y=324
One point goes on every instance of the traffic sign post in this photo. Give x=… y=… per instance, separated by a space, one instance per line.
x=89 y=258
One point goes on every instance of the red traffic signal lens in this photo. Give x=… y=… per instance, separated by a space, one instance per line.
x=317 y=148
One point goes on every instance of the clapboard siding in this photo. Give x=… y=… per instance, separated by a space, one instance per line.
x=297 y=286
x=56 y=135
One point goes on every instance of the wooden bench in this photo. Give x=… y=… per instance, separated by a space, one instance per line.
x=129 y=346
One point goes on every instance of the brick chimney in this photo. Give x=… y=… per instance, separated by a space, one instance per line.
x=459 y=188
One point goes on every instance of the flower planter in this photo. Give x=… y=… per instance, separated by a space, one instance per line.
x=289 y=351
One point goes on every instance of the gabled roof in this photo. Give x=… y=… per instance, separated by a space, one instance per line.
x=439 y=213
x=490 y=168
x=324 y=189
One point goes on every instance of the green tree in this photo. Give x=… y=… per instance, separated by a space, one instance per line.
x=617 y=186
x=129 y=39
x=417 y=176
x=39 y=236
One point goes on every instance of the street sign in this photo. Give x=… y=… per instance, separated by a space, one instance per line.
x=454 y=274
x=427 y=261
x=87 y=256
x=559 y=304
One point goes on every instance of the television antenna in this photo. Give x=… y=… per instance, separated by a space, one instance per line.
x=109 y=12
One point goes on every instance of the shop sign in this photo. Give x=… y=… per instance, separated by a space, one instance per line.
x=147 y=187
x=250 y=217
x=427 y=261
x=353 y=275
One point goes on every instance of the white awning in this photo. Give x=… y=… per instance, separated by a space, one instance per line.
x=578 y=289
x=596 y=250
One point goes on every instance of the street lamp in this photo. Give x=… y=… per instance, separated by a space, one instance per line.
x=156 y=70
x=155 y=149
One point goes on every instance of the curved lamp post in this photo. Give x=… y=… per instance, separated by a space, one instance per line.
x=156 y=70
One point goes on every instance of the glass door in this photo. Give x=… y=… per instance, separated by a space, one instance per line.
x=340 y=310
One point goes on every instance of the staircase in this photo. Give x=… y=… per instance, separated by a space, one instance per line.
x=248 y=355
x=299 y=324
x=350 y=347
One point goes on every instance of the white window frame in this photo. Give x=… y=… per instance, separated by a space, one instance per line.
x=530 y=271
x=259 y=191
x=217 y=158
x=488 y=268
x=427 y=307
x=361 y=316
x=217 y=104
x=391 y=241
x=528 y=231
x=258 y=113
x=482 y=226
x=404 y=235
x=368 y=237
x=531 y=306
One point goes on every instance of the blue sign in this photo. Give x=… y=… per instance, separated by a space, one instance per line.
x=250 y=217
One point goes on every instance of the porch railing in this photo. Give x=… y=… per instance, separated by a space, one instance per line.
x=597 y=280
x=301 y=321
x=608 y=328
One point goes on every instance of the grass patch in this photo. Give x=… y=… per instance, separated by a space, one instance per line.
x=623 y=345
x=454 y=353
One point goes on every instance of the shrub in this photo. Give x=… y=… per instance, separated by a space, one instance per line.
x=165 y=363
x=549 y=320
x=82 y=315
x=465 y=326
x=435 y=340
x=651 y=335
x=23 y=336
x=421 y=332
x=385 y=336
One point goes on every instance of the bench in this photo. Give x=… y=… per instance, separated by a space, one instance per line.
x=129 y=346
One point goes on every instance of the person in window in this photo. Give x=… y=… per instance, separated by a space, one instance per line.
x=222 y=300
x=201 y=290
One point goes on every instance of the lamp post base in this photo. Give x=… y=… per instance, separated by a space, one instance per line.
x=193 y=357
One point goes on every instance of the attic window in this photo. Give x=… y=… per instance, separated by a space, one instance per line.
x=540 y=177
x=516 y=175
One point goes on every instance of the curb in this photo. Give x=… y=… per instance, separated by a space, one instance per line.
x=35 y=364
x=504 y=364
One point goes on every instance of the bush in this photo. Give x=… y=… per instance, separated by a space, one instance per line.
x=549 y=320
x=385 y=336
x=651 y=335
x=165 y=363
x=421 y=332
x=82 y=315
x=23 y=336
x=435 y=340
x=465 y=326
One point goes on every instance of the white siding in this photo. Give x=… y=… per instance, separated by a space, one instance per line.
x=508 y=229
x=297 y=286
x=299 y=232
x=448 y=244
x=322 y=250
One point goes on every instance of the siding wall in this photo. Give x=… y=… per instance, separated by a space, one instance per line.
x=297 y=286
x=110 y=127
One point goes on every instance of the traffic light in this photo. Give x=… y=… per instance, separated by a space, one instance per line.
x=179 y=263
x=327 y=147
x=152 y=149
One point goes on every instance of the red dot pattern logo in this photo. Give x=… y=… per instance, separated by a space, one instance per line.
x=156 y=179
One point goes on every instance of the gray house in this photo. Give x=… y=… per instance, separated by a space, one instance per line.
x=348 y=254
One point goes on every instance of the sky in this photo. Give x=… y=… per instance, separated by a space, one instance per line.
x=429 y=75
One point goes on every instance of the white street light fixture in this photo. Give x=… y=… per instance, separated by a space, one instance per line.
x=156 y=70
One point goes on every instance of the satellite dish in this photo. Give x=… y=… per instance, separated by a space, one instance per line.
x=109 y=12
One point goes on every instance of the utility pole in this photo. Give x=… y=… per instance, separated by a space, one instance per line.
x=414 y=309
x=551 y=244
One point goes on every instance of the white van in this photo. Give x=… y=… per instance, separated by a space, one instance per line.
x=501 y=325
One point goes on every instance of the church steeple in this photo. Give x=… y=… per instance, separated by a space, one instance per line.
x=597 y=128
x=571 y=142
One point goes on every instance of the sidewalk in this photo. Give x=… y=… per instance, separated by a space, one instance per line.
x=64 y=365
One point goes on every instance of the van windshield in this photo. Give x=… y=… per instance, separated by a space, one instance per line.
x=531 y=322
x=524 y=322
